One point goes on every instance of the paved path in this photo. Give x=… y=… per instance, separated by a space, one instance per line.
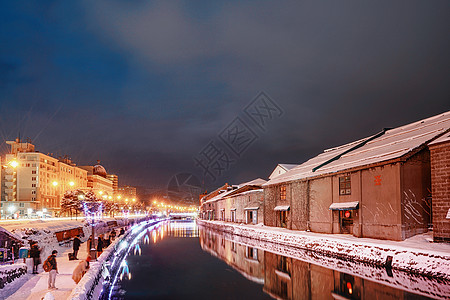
x=35 y=287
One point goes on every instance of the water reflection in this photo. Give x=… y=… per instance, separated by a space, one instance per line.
x=285 y=277
x=167 y=262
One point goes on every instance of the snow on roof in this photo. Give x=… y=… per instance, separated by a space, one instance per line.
x=344 y=205
x=237 y=189
x=288 y=166
x=257 y=182
x=282 y=207
x=394 y=143
x=444 y=138
x=219 y=196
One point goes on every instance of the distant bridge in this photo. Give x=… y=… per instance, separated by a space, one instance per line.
x=183 y=215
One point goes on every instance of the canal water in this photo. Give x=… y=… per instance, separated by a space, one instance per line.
x=180 y=260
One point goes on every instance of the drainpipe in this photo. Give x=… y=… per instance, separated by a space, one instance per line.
x=361 y=224
x=308 y=226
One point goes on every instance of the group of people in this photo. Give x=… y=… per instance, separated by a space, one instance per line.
x=51 y=266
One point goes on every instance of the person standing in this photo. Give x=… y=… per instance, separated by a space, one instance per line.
x=76 y=246
x=113 y=235
x=35 y=253
x=53 y=270
x=99 y=246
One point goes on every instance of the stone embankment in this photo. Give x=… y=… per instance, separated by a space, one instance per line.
x=428 y=263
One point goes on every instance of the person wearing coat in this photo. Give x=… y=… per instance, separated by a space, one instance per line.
x=99 y=246
x=76 y=246
x=35 y=253
x=53 y=270
x=80 y=270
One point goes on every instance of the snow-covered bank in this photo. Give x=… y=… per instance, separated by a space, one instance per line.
x=90 y=286
x=425 y=286
x=10 y=273
x=425 y=262
x=44 y=232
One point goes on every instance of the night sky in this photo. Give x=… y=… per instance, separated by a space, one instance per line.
x=148 y=87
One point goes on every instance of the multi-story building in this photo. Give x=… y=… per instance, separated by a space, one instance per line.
x=127 y=192
x=98 y=181
x=115 y=183
x=34 y=183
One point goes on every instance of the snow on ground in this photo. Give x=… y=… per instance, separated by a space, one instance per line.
x=415 y=255
x=43 y=231
x=35 y=287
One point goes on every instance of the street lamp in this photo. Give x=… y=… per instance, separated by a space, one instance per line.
x=71 y=183
x=81 y=198
x=11 y=209
x=13 y=163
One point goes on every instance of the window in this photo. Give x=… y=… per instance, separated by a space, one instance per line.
x=252 y=253
x=33 y=178
x=33 y=185
x=283 y=192
x=33 y=172
x=21 y=205
x=33 y=192
x=344 y=185
x=33 y=198
x=284 y=265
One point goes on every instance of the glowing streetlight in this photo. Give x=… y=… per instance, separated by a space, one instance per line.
x=14 y=163
x=71 y=183
x=134 y=199
x=55 y=183
x=100 y=192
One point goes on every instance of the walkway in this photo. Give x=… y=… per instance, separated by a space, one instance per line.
x=35 y=287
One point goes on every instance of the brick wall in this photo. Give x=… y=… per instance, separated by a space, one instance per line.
x=440 y=184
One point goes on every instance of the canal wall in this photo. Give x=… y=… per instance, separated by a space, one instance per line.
x=234 y=249
x=417 y=261
x=90 y=286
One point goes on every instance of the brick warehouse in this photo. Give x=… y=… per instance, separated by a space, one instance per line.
x=440 y=183
x=377 y=187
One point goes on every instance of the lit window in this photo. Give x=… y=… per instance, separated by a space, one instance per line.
x=283 y=192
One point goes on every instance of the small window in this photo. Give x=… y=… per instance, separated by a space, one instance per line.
x=33 y=178
x=283 y=192
x=33 y=172
x=21 y=205
x=344 y=185
x=33 y=185
x=33 y=192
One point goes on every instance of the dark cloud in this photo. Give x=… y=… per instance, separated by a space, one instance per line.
x=145 y=85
